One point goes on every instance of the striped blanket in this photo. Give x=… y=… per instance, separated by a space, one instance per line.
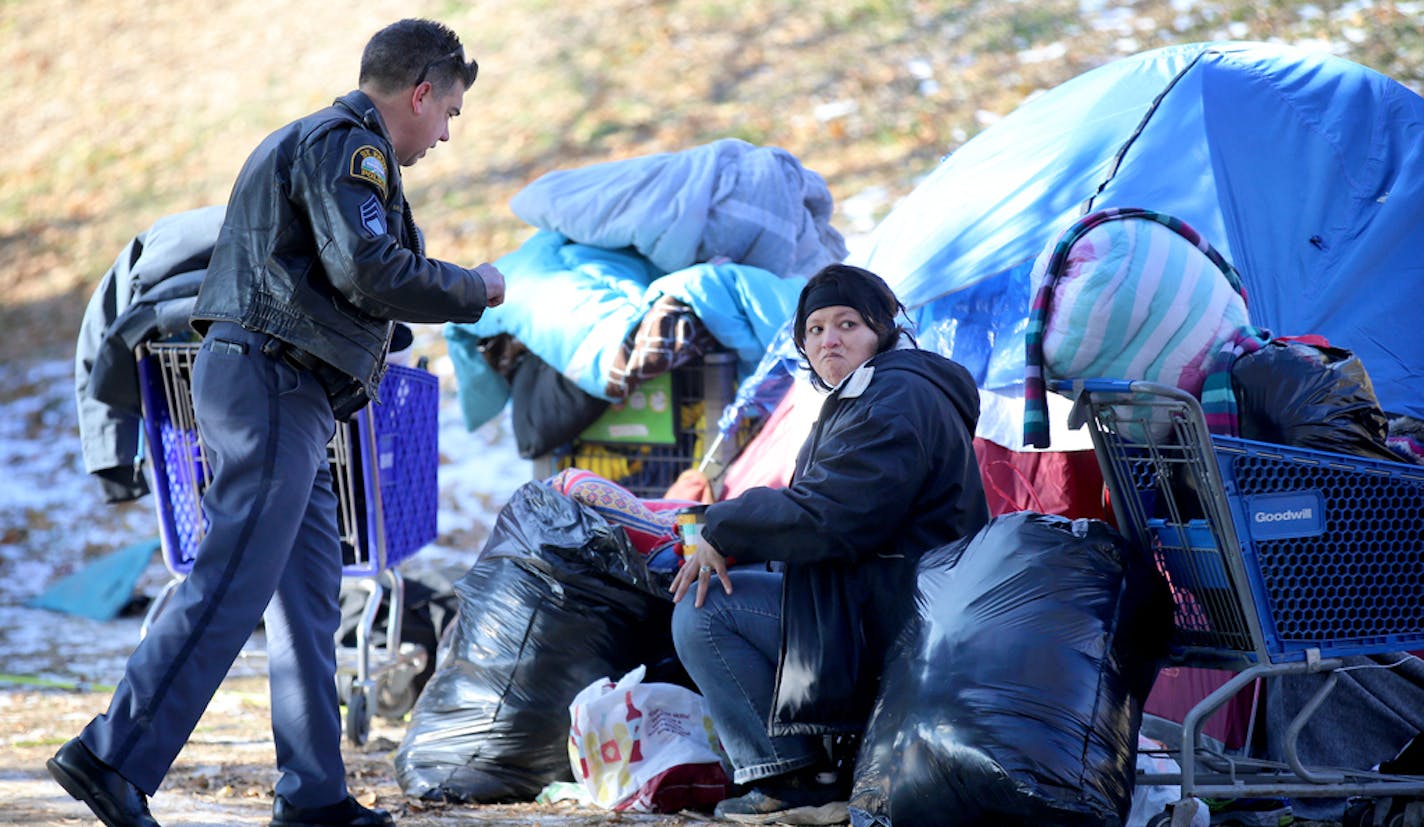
x=651 y=525
x=1144 y=299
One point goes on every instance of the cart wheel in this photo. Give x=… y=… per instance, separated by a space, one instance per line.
x=358 y=718
x=1413 y=815
x=392 y=704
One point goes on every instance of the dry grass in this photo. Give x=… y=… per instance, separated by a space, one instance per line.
x=127 y=110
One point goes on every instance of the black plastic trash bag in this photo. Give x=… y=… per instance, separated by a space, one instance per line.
x=1292 y=393
x=557 y=600
x=1014 y=695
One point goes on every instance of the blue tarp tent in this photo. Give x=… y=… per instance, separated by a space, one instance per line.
x=1305 y=170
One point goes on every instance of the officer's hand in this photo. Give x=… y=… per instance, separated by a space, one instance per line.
x=494 y=284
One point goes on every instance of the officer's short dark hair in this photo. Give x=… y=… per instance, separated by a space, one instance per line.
x=411 y=51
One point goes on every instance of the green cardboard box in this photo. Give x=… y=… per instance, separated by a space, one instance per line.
x=646 y=416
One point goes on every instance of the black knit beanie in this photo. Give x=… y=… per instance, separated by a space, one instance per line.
x=846 y=286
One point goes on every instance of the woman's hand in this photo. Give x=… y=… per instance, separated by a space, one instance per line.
x=699 y=568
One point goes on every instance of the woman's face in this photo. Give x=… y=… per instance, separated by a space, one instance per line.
x=838 y=341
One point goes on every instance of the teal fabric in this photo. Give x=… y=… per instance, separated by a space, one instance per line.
x=573 y=305
x=100 y=589
x=481 y=391
x=743 y=307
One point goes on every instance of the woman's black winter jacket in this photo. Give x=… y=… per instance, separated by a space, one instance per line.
x=888 y=473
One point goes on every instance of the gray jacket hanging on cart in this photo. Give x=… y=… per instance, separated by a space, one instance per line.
x=146 y=295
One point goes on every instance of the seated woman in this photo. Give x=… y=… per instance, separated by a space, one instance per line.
x=787 y=655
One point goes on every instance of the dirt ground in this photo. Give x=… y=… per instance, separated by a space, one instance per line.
x=223 y=778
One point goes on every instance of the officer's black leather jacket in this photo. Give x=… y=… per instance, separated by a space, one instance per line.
x=318 y=248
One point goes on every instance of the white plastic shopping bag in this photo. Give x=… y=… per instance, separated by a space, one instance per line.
x=645 y=747
x=1152 y=757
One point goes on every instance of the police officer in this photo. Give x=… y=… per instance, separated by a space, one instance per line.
x=317 y=256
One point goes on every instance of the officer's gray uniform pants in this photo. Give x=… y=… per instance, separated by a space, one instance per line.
x=272 y=546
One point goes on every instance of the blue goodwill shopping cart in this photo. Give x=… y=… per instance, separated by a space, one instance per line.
x=384 y=473
x=1281 y=561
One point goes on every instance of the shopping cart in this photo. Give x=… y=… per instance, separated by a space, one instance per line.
x=1281 y=561
x=695 y=394
x=383 y=465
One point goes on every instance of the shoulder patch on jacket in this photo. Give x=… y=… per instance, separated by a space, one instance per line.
x=368 y=164
x=373 y=217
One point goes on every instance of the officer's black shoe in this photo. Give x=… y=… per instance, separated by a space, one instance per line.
x=113 y=799
x=346 y=813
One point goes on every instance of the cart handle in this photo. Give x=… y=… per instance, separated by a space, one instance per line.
x=1079 y=389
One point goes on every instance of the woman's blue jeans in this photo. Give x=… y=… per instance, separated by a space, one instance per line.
x=730 y=647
